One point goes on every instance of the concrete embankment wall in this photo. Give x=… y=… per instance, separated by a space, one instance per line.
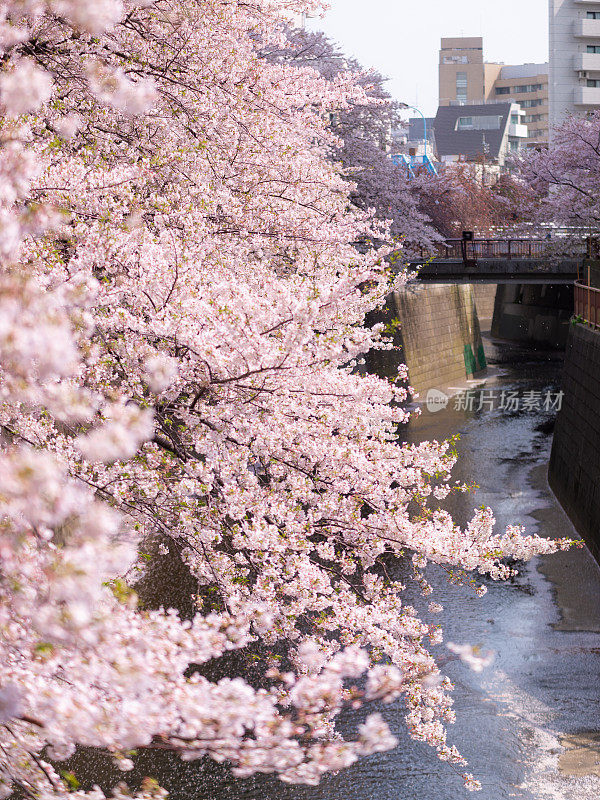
x=485 y=298
x=534 y=314
x=438 y=336
x=574 y=472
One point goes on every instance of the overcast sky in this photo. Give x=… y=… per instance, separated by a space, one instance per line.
x=401 y=38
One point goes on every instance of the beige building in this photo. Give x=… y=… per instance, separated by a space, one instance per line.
x=465 y=79
x=462 y=71
x=527 y=85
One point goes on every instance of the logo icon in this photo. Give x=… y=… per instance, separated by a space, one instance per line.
x=436 y=400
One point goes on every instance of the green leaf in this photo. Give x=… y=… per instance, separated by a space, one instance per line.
x=70 y=779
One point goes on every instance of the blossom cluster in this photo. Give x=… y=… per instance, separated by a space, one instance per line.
x=562 y=181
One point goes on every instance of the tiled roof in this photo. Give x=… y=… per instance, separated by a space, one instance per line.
x=450 y=142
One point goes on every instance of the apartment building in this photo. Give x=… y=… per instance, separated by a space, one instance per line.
x=574 y=57
x=466 y=78
x=527 y=85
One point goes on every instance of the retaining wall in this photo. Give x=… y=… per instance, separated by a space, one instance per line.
x=485 y=297
x=574 y=472
x=437 y=333
x=536 y=314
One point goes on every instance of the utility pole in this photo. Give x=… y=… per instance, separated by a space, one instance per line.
x=423 y=117
x=486 y=150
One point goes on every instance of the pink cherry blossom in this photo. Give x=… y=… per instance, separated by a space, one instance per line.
x=24 y=88
x=565 y=175
x=95 y=18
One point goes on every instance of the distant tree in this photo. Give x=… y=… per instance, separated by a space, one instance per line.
x=566 y=176
x=457 y=200
x=364 y=133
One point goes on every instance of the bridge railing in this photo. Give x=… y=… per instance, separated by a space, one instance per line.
x=587 y=303
x=505 y=249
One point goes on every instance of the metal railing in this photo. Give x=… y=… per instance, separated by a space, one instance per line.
x=587 y=304
x=505 y=249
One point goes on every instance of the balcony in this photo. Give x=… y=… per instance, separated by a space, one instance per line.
x=587 y=28
x=587 y=62
x=587 y=96
x=519 y=131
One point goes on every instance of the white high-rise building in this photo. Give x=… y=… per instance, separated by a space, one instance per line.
x=574 y=84
x=299 y=19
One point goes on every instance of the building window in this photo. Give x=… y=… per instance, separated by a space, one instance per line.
x=593 y=84
x=491 y=123
x=502 y=89
x=461 y=87
x=532 y=87
x=531 y=103
x=593 y=48
x=593 y=15
x=455 y=60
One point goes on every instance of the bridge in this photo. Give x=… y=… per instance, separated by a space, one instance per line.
x=505 y=260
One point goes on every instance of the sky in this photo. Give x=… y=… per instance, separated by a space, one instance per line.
x=401 y=38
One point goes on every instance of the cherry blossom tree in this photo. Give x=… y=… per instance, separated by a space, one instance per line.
x=364 y=130
x=181 y=315
x=458 y=200
x=565 y=176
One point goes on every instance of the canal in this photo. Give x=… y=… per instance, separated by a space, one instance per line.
x=530 y=724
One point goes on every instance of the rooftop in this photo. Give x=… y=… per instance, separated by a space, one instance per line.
x=452 y=142
x=524 y=71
